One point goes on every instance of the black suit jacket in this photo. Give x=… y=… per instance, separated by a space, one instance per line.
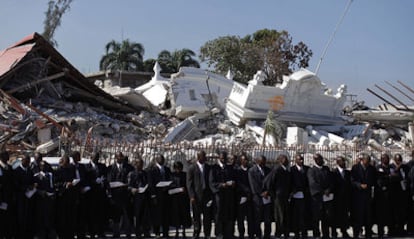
x=359 y=176
x=278 y=183
x=256 y=181
x=154 y=177
x=195 y=183
x=300 y=179
x=342 y=188
x=320 y=180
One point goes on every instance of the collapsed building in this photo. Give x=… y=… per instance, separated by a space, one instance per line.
x=42 y=94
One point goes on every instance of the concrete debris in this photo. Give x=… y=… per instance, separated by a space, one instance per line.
x=46 y=105
x=302 y=99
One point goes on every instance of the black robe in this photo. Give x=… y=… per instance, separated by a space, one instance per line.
x=180 y=202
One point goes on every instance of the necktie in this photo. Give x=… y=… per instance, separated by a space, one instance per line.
x=162 y=171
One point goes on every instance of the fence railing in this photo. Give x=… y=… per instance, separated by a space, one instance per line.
x=187 y=151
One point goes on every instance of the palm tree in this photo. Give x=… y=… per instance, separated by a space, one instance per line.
x=171 y=62
x=273 y=128
x=124 y=56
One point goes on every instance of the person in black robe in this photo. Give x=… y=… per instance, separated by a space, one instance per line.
x=44 y=202
x=321 y=189
x=180 y=203
x=118 y=181
x=84 y=199
x=97 y=217
x=24 y=199
x=138 y=185
x=300 y=197
x=399 y=196
x=244 y=198
x=260 y=197
x=363 y=179
x=342 y=197
x=158 y=174
x=410 y=177
x=7 y=187
x=223 y=186
x=383 y=195
x=200 y=195
x=67 y=198
x=35 y=165
x=278 y=183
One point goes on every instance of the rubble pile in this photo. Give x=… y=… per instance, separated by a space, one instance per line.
x=46 y=103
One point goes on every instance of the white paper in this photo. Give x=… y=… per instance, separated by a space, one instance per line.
x=243 y=200
x=298 y=195
x=85 y=189
x=50 y=194
x=175 y=191
x=3 y=206
x=209 y=203
x=29 y=193
x=75 y=181
x=266 y=200
x=99 y=180
x=327 y=198
x=230 y=183
x=403 y=185
x=162 y=184
x=142 y=189
x=116 y=184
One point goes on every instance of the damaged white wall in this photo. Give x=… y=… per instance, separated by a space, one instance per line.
x=191 y=90
x=301 y=98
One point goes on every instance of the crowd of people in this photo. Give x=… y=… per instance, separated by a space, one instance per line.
x=234 y=193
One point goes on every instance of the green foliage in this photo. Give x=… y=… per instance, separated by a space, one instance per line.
x=125 y=55
x=268 y=50
x=149 y=65
x=274 y=128
x=171 y=62
x=54 y=13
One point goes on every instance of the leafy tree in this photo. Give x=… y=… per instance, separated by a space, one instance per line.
x=149 y=65
x=125 y=55
x=268 y=50
x=171 y=62
x=54 y=13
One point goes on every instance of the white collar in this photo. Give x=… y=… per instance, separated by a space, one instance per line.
x=159 y=166
x=3 y=165
x=319 y=167
x=340 y=169
x=298 y=167
x=220 y=164
x=21 y=166
x=284 y=167
x=200 y=166
x=243 y=168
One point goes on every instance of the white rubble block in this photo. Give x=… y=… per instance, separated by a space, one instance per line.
x=411 y=132
x=322 y=139
x=186 y=129
x=296 y=136
x=259 y=134
x=44 y=135
x=300 y=99
x=48 y=146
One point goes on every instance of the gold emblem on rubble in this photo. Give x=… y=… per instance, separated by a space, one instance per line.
x=276 y=102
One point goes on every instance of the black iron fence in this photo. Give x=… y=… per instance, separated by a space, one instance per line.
x=187 y=151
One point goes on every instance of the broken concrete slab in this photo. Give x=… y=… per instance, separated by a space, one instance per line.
x=302 y=98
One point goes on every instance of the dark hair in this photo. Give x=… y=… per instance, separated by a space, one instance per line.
x=178 y=165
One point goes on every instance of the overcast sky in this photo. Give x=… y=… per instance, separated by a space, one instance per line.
x=374 y=44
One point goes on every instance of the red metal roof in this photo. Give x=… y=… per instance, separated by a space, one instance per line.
x=11 y=56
